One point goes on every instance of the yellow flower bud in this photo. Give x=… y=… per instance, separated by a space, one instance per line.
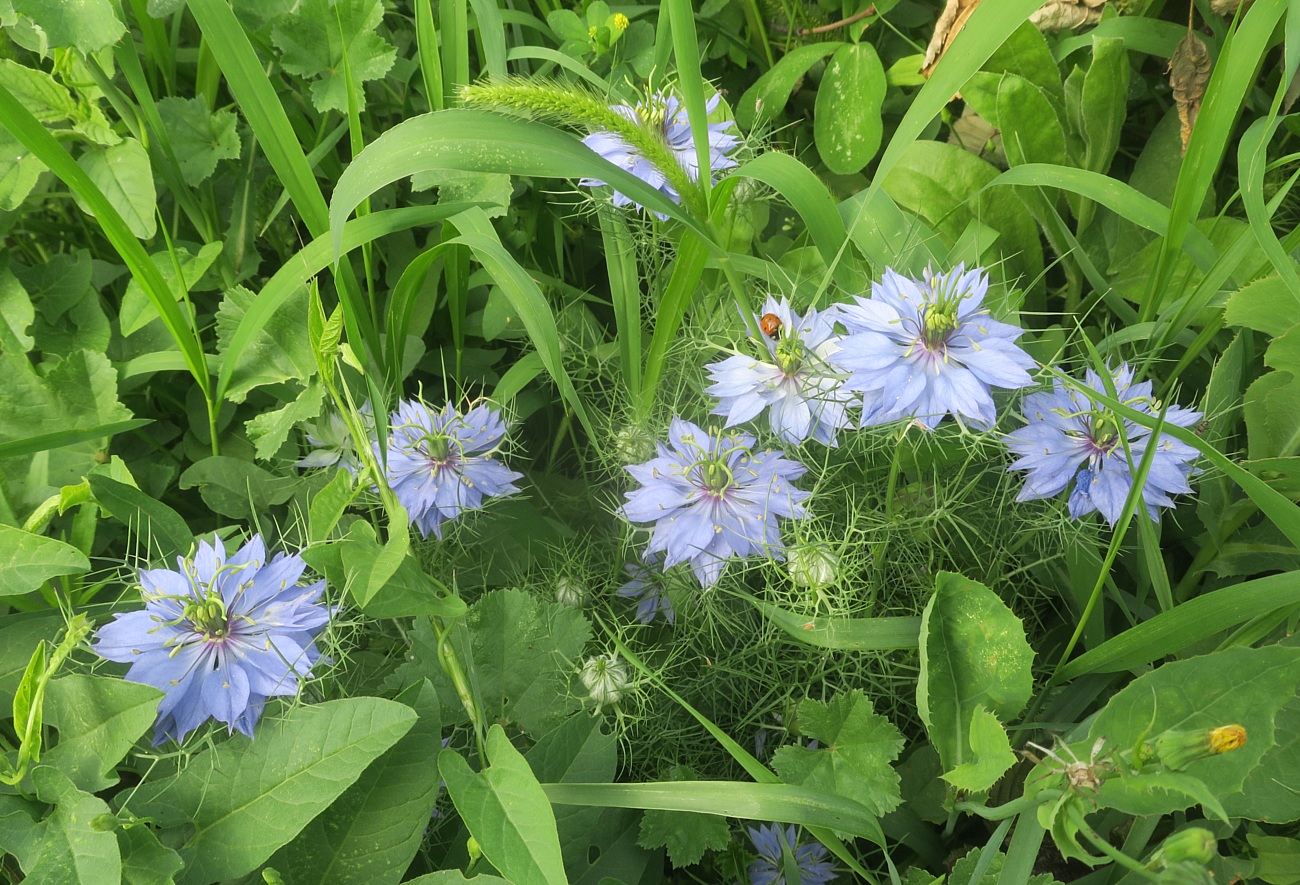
x=620 y=21
x=1178 y=749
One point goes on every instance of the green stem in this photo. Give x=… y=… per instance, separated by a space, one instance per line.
x=451 y=665
x=1076 y=818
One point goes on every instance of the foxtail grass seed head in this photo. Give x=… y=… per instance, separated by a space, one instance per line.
x=1070 y=438
x=219 y=635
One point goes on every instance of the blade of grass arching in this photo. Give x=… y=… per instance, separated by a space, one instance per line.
x=1062 y=238
x=1252 y=158
x=1232 y=76
x=453 y=16
x=1186 y=625
x=521 y=373
x=492 y=37
x=247 y=81
x=771 y=802
x=477 y=233
x=426 y=48
x=1150 y=36
x=311 y=260
x=847 y=634
x=314 y=157
x=690 y=83
x=570 y=64
x=755 y=769
x=156 y=46
x=43 y=442
x=625 y=294
x=1022 y=853
x=37 y=139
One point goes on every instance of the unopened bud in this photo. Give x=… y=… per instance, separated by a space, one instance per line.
x=1195 y=844
x=1178 y=749
x=569 y=592
x=605 y=678
x=812 y=566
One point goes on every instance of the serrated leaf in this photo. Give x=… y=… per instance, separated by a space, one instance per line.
x=269 y=430
x=315 y=38
x=98 y=719
x=973 y=654
x=371 y=833
x=199 y=139
x=990 y=754
x=846 y=120
x=1272 y=790
x=507 y=812
x=87 y=25
x=27 y=561
x=159 y=530
x=1158 y=793
x=138 y=311
x=1265 y=305
x=145 y=860
x=240 y=801
x=124 y=175
x=280 y=351
x=685 y=835
x=522 y=652
x=854 y=760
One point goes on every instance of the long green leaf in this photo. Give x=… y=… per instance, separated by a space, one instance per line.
x=849 y=634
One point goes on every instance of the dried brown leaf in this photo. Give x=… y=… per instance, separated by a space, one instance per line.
x=946 y=29
x=1060 y=15
x=1189 y=72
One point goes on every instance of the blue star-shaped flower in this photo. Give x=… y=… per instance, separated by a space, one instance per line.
x=770 y=840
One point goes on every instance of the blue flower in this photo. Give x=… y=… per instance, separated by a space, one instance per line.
x=644 y=587
x=219 y=636
x=925 y=349
x=771 y=841
x=435 y=463
x=1069 y=437
x=332 y=443
x=711 y=498
x=666 y=118
x=795 y=381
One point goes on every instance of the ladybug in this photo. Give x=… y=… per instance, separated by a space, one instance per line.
x=770 y=324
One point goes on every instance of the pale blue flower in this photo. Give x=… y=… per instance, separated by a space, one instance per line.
x=332 y=443
x=712 y=498
x=770 y=841
x=666 y=118
x=794 y=380
x=644 y=586
x=924 y=349
x=440 y=464
x=1071 y=438
x=219 y=636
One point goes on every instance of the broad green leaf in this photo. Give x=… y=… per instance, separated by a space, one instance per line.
x=855 y=634
x=387 y=582
x=199 y=138
x=269 y=431
x=506 y=812
x=16 y=310
x=523 y=654
x=27 y=561
x=492 y=188
x=1265 y=305
x=145 y=860
x=45 y=98
x=1027 y=54
x=1031 y=130
x=19 y=171
x=316 y=37
x=160 y=531
x=235 y=487
x=328 y=504
x=973 y=654
x=846 y=123
x=456 y=877
x=1277 y=859
x=280 y=351
x=123 y=174
x=857 y=747
x=1242 y=686
x=80 y=391
x=1103 y=108
x=138 y=311
x=18 y=639
x=371 y=833
x=990 y=754
x=98 y=719
x=1272 y=411
x=86 y=25
x=1272 y=790
x=767 y=97
x=236 y=803
x=65 y=848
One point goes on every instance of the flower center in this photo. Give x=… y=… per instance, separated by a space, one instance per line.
x=441 y=450
x=716 y=475
x=940 y=322
x=209 y=615
x=790 y=355
x=1105 y=430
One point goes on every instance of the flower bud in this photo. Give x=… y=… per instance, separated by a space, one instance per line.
x=1178 y=749
x=605 y=677
x=620 y=22
x=1195 y=844
x=569 y=592
x=812 y=566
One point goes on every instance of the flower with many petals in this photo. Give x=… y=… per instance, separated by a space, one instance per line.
x=664 y=117
x=1071 y=438
x=332 y=443
x=643 y=586
x=440 y=464
x=712 y=497
x=923 y=349
x=772 y=843
x=219 y=636
x=795 y=381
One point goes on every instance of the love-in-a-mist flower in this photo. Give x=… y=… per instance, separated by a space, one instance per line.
x=712 y=498
x=440 y=463
x=923 y=349
x=606 y=679
x=793 y=380
x=769 y=869
x=644 y=586
x=219 y=635
x=332 y=443
x=1070 y=437
x=664 y=118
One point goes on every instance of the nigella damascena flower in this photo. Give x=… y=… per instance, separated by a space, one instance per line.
x=664 y=117
x=219 y=636
x=924 y=349
x=1069 y=437
x=440 y=464
x=331 y=442
x=770 y=840
x=644 y=586
x=712 y=497
x=794 y=380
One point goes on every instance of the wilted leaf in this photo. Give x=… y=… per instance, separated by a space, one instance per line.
x=1189 y=72
x=951 y=21
x=1059 y=15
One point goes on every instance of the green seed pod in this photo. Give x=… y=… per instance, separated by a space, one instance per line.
x=1195 y=844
